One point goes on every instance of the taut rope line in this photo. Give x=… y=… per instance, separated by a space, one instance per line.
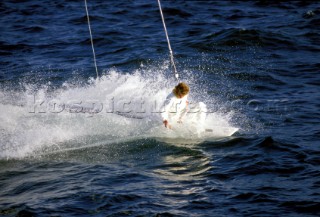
x=94 y=54
x=176 y=75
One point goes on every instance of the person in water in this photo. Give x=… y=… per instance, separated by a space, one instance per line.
x=176 y=104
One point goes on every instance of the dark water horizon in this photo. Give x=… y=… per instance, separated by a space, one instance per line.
x=254 y=63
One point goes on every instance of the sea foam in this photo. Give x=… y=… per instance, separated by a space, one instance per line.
x=115 y=107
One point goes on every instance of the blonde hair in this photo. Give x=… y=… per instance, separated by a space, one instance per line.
x=181 y=89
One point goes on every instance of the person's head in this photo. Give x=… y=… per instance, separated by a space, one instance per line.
x=181 y=90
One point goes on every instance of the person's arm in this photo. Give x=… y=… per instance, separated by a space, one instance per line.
x=165 y=111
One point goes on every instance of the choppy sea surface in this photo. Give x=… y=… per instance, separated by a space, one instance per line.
x=72 y=144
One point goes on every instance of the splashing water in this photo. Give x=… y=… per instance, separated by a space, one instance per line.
x=116 y=107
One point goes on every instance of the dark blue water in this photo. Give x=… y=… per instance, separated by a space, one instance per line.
x=254 y=63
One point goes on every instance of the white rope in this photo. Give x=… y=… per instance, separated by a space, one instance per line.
x=169 y=46
x=94 y=54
